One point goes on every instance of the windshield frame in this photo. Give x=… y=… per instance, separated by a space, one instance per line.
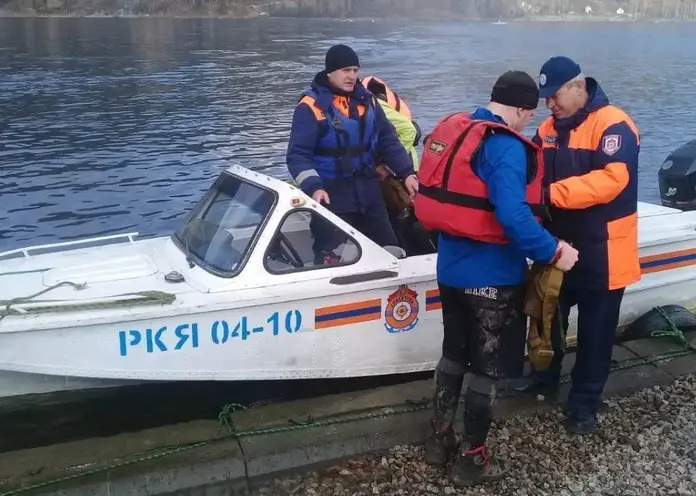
x=201 y=208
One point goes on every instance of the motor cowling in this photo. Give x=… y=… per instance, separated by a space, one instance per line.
x=677 y=178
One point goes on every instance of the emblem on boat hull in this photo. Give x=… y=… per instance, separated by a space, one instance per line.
x=401 y=312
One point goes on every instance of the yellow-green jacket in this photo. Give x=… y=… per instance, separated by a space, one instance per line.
x=405 y=130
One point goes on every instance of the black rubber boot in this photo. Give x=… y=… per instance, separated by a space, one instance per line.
x=534 y=384
x=579 y=420
x=475 y=466
x=442 y=442
x=473 y=463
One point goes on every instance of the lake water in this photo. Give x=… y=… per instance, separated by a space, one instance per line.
x=112 y=125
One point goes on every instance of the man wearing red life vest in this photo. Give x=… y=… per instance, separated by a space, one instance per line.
x=480 y=181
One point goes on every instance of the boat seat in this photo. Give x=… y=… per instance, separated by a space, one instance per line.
x=397 y=251
x=349 y=252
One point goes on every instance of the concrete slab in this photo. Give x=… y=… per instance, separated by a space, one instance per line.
x=654 y=346
x=146 y=462
x=282 y=452
x=630 y=380
x=62 y=456
x=221 y=462
x=332 y=405
x=290 y=449
x=620 y=382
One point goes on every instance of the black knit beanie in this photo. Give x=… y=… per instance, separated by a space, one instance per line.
x=516 y=89
x=340 y=56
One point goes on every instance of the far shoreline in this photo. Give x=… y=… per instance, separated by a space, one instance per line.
x=502 y=21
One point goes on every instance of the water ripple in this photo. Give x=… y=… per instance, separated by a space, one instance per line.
x=109 y=125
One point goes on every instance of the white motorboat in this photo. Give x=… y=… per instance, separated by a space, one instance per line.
x=237 y=294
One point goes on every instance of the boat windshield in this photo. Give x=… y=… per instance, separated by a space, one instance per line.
x=222 y=228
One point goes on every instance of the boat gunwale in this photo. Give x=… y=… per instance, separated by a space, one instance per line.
x=64 y=244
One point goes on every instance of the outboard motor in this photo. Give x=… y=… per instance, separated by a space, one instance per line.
x=677 y=178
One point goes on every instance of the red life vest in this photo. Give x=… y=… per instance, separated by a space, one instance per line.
x=451 y=197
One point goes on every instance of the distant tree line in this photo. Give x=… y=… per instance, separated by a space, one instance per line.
x=472 y=9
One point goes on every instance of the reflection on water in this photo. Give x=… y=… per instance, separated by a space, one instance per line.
x=111 y=125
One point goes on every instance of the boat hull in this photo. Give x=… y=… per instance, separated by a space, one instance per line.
x=345 y=335
x=375 y=314
x=14 y=384
x=332 y=337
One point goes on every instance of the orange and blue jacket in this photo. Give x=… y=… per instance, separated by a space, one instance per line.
x=591 y=177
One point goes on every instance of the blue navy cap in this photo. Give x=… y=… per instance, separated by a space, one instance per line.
x=556 y=72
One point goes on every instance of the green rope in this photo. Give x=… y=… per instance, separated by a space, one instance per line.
x=674 y=332
x=24 y=299
x=225 y=415
x=144 y=297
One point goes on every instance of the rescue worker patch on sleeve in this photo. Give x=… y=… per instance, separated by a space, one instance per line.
x=611 y=144
x=437 y=147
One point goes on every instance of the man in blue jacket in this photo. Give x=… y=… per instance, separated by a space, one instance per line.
x=482 y=283
x=338 y=135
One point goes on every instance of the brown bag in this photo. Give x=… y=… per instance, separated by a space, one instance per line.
x=541 y=302
x=395 y=194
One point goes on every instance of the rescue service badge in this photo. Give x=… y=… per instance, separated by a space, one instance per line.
x=401 y=312
x=437 y=147
x=611 y=144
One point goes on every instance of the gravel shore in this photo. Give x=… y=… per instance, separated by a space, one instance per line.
x=645 y=445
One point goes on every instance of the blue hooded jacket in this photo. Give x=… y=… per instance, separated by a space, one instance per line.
x=465 y=263
x=361 y=191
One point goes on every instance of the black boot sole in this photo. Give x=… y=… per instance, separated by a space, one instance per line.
x=467 y=483
x=438 y=462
